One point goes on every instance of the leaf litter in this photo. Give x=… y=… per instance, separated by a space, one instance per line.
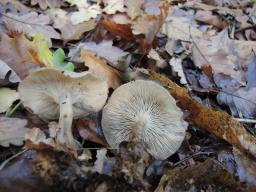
x=201 y=52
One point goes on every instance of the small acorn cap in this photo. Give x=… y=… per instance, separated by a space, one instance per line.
x=51 y=93
x=145 y=112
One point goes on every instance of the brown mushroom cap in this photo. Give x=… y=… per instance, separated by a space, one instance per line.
x=144 y=111
x=51 y=93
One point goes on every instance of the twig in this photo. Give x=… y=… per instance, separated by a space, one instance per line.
x=11 y=158
x=191 y=156
x=246 y=120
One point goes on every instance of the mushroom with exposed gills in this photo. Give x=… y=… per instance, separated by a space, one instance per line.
x=143 y=111
x=51 y=93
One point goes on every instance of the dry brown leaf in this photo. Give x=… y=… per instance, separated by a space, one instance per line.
x=112 y=6
x=121 y=30
x=210 y=19
x=12 y=131
x=67 y=29
x=149 y=25
x=4 y=70
x=31 y=24
x=221 y=10
x=224 y=55
x=176 y=64
x=227 y=3
x=90 y=129
x=134 y=8
x=43 y=4
x=114 y=55
x=246 y=167
x=209 y=174
x=219 y=123
x=100 y=69
x=17 y=52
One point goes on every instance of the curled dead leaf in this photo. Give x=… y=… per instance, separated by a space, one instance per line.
x=100 y=69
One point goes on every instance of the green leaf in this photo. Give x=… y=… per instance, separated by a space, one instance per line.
x=58 y=61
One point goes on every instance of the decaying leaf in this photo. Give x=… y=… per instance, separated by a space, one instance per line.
x=176 y=64
x=223 y=54
x=7 y=97
x=209 y=18
x=31 y=24
x=116 y=29
x=246 y=167
x=112 y=6
x=85 y=12
x=90 y=129
x=134 y=8
x=209 y=174
x=17 y=52
x=114 y=55
x=179 y=28
x=12 y=131
x=219 y=123
x=103 y=164
x=68 y=30
x=4 y=70
x=160 y=62
x=47 y=3
x=100 y=69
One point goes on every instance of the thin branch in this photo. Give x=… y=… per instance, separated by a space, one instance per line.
x=191 y=156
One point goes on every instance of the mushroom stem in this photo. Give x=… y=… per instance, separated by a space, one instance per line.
x=65 y=122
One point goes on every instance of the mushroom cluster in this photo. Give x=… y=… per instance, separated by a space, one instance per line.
x=143 y=111
x=51 y=94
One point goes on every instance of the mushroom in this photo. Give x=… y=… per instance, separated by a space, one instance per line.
x=143 y=111
x=51 y=93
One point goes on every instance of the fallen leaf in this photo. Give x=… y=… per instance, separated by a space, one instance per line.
x=224 y=55
x=4 y=70
x=246 y=168
x=100 y=164
x=209 y=174
x=112 y=6
x=17 y=52
x=176 y=64
x=68 y=30
x=90 y=130
x=12 y=131
x=7 y=97
x=31 y=24
x=114 y=55
x=147 y=25
x=101 y=70
x=134 y=8
x=121 y=30
x=37 y=139
x=209 y=18
x=180 y=28
x=151 y=7
x=219 y=123
x=42 y=54
x=43 y=4
x=160 y=62
x=85 y=13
